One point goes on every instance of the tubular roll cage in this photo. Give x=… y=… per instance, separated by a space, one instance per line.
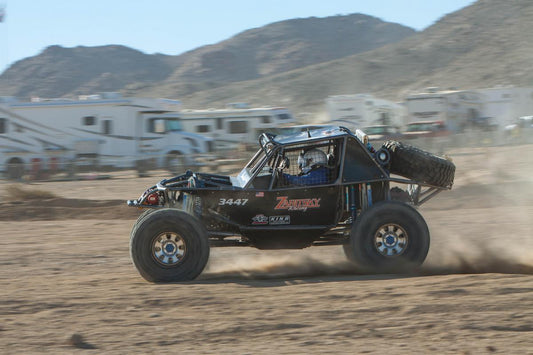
x=419 y=192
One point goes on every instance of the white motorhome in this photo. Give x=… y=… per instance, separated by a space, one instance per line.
x=363 y=110
x=115 y=131
x=455 y=108
x=26 y=145
x=236 y=124
x=505 y=104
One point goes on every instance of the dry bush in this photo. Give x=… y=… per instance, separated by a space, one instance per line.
x=15 y=193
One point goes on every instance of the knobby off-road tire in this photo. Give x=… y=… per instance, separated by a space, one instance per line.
x=169 y=245
x=389 y=237
x=144 y=214
x=419 y=165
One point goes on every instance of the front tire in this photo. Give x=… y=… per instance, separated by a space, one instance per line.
x=169 y=245
x=388 y=237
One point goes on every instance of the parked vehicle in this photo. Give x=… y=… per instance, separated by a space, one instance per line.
x=525 y=122
x=295 y=129
x=454 y=108
x=382 y=133
x=29 y=146
x=235 y=125
x=354 y=205
x=112 y=131
x=425 y=129
x=522 y=129
x=363 y=110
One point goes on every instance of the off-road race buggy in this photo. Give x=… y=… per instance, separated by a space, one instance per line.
x=360 y=205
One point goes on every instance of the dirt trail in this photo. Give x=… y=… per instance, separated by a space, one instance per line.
x=68 y=285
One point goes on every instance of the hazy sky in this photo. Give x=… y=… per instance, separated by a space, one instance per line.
x=176 y=26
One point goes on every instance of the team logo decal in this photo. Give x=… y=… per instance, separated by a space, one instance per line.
x=277 y=220
x=301 y=204
x=261 y=219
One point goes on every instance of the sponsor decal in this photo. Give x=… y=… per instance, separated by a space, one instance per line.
x=301 y=204
x=277 y=220
x=261 y=219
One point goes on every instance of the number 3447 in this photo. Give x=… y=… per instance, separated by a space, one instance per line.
x=232 y=202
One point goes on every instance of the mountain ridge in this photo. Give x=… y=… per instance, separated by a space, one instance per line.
x=288 y=63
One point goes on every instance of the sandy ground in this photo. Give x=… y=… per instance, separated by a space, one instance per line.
x=68 y=285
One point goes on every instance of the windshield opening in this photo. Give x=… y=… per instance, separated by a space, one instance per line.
x=256 y=163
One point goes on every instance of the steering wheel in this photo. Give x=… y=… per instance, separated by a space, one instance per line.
x=284 y=163
x=279 y=179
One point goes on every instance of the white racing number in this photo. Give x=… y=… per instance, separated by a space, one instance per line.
x=232 y=202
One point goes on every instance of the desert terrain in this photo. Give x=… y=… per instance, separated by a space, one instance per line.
x=68 y=285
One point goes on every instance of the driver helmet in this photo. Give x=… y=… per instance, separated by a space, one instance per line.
x=311 y=159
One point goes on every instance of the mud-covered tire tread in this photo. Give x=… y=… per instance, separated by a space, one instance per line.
x=149 y=225
x=417 y=164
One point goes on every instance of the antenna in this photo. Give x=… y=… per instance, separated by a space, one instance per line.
x=308 y=133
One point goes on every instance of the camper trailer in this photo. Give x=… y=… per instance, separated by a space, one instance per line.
x=236 y=124
x=504 y=104
x=456 y=109
x=111 y=131
x=364 y=110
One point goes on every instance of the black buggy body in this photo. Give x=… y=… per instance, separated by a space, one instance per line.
x=359 y=205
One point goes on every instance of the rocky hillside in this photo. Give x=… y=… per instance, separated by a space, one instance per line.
x=483 y=45
x=59 y=71
x=256 y=53
x=298 y=63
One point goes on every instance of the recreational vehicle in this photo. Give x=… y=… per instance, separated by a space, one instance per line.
x=363 y=110
x=118 y=132
x=235 y=125
x=27 y=145
x=454 y=108
x=504 y=104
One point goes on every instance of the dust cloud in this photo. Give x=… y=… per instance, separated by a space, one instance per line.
x=261 y=267
x=461 y=259
x=466 y=257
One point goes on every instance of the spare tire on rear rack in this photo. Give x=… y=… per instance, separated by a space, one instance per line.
x=417 y=164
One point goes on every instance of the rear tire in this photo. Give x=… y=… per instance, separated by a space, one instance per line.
x=417 y=164
x=169 y=245
x=388 y=237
